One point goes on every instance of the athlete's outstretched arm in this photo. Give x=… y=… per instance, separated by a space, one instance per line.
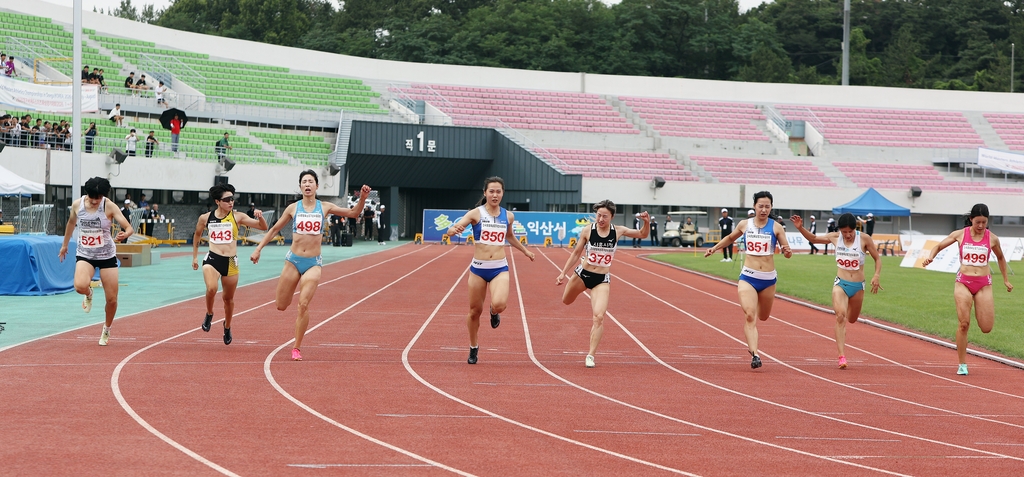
x=728 y=239
x=997 y=249
x=258 y=222
x=289 y=213
x=574 y=257
x=116 y=215
x=471 y=217
x=355 y=212
x=642 y=232
x=511 y=238
x=949 y=240
x=811 y=238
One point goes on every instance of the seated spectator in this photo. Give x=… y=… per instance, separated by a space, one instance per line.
x=222 y=147
x=85 y=74
x=116 y=115
x=8 y=67
x=129 y=82
x=141 y=83
x=94 y=77
x=3 y=62
x=102 y=82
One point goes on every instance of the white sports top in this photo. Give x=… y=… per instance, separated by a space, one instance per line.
x=94 y=240
x=849 y=258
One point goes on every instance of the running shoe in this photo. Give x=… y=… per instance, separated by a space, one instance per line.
x=227 y=336
x=472 y=355
x=962 y=370
x=842 y=362
x=207 y=321
x=724 y=260
x=105 y=337
x=755 y=362
x=296 y=355
x=590 y=361
x=495 y=318
x=87 y=302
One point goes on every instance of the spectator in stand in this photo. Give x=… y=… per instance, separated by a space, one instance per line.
x=869 y=223
x=90 y=136
x=128 y=197
x=222 y=148
x=85 y=74
x=129 y=82
x=156 y=211
x=175 y=132
x=5 y=129
x=94 y=77
x=141 y=85
x=160 y=90
x=130 y=141
x=15 y=132
x=43 y=130
x=8 y=66
x=116 y=116
x=142 y=201
x=100 y=80
x=151 y=142
x=3 y=64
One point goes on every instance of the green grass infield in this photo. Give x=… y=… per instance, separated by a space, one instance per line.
x=915 y=298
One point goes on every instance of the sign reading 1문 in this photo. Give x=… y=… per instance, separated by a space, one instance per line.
x=410 y=144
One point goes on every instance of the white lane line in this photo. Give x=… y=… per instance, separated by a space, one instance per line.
x=809 y=438
x=792 y=408
x=866 y=321
x=638 y=433
x=273 y=382
x=328 y=466
x=5 y=348
x=529 y=347
x=414 y=374
x=116 y=387
x=445 y=416
x=845 y=385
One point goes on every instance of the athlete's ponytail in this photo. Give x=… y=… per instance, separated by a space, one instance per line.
x=487 y=183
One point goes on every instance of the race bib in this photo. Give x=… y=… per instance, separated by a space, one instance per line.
x=492 y=233
x=601 y=257
x=90 y=238
x=307 y=223
x=848 y=259
x=974 y=255
x=221 y=233
x=759 y=244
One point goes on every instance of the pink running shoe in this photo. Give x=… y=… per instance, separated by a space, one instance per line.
x=842 y=362
x=296 y=355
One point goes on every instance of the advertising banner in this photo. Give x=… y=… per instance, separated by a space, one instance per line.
x=948 y=260
x=37 y=97
x=1002 y=160
x=535 y=226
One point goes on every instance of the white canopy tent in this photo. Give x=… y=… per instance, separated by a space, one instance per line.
x=12 y=184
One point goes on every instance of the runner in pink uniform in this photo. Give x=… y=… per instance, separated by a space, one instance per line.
x=973 y=285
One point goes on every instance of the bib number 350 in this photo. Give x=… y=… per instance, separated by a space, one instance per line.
x=492 y=236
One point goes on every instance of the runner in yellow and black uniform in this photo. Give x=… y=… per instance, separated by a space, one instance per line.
x=222 y=260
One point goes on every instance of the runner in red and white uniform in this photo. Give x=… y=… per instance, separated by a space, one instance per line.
x=592 y=259
x=93 y=216
x=973 y=285
x=492 y=229
x=756 y=287
x=848 y=288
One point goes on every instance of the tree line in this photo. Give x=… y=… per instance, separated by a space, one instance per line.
x=940 y=44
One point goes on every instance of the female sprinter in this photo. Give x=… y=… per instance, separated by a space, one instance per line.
x=973 y=286
x=848 y=289
x=598 y=244
x=756 y=287
x=93 y=215
x=222 y=259
x=492 y=228
x=303 y=261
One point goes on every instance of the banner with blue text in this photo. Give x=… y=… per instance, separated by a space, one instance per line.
x=535 y=226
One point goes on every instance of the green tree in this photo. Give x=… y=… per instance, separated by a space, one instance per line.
x=766 y=66
x=900 y=63
x=126 y=10
x=863 y=70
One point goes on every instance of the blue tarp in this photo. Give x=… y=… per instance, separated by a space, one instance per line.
x=30 y=265
x=872 y=202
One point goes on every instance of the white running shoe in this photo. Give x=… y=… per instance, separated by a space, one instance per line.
x=728 y=260
x=590 y=361
x=105 y=336
x=724 y=260
x=87 y=302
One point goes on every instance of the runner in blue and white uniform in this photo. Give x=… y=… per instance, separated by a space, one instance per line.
x=848 y=288
x=592 y=258
x=492 y=229
x=756 y=286
x=303 y=261
x=93 y=215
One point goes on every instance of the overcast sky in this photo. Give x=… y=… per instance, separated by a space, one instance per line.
x=106 y=5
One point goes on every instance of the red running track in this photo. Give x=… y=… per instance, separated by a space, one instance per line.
x=385 y=390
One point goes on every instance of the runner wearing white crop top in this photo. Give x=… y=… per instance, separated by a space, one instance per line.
x=492 y=229
x=756 y=287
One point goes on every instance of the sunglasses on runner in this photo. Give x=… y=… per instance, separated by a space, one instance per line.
x=229 y=198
